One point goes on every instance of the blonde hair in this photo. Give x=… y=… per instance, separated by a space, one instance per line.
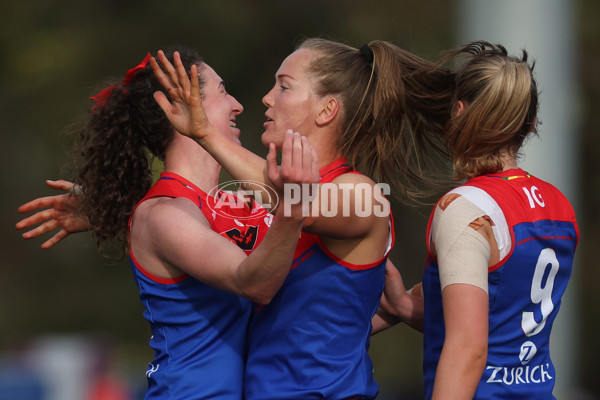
x=500 y=100
x=394 y=107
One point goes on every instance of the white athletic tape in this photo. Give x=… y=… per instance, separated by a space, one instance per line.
x=462 y=253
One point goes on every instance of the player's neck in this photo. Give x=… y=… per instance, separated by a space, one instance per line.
x=509 y=161
x=192 y=162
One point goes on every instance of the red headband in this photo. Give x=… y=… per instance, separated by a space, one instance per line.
x=102 y=97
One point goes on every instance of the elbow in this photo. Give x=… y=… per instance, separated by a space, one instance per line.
x=472 y=351
x=258 y=289
x=262 y=299
x=262 y=296
x=479 y=355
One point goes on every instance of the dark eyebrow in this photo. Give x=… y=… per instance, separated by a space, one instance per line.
x=281 y=76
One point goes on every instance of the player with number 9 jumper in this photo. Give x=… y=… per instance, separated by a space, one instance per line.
x=501 y=246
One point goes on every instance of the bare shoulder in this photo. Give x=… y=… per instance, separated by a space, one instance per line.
x=161 y=213
x=353 y=178
x=160 y=228
x=362 y=184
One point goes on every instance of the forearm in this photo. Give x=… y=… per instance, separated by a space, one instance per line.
x=413 y=312
x=262 y=273
x=464 y=353
x=459 y=371
x=383 y=320
x=240 y=163
x=410 y=312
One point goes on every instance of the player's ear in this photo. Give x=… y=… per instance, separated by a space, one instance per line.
x=328 y=109
x=532 y=125
x=458 y=108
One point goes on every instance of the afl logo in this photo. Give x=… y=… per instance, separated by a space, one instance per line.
x=228 y=199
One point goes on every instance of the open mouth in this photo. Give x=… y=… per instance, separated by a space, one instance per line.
x=232 y=124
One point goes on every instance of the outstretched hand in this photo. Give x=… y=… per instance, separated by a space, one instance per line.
x=61 y=213
x=185 y=110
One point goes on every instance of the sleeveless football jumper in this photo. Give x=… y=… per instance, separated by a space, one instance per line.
x=198 y=332
x=525 y=287
x=312 y=340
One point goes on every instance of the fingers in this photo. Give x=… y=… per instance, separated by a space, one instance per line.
x=26 y=222
x=172 y=76
x=169 y=75
x=42 y=202
x=195 y=80
x=297 y=156
x=30 y=206
x=162 y=78
x=299 y=167
x=160 y=98
x=310 y=162
x=37 y=218
x=299 y=160
x=48 y=201
x=286 y=152
x=272 y=168
x=292 y=156
x=390 y=268
x=163 y=102
x=392 y=275
x=54 y=239
x=60 y=184
x=183 y=106
x=183 y=79
x=47 y=226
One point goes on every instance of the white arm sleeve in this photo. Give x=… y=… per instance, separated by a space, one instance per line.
x=463 y=254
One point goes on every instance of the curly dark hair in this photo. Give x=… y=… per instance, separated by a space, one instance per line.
x=117 y=148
